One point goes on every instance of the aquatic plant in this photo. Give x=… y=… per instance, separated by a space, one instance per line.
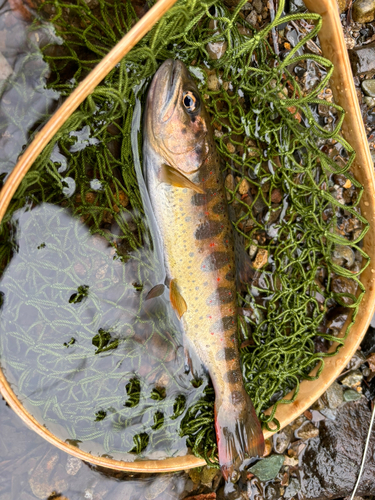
x=271 y=143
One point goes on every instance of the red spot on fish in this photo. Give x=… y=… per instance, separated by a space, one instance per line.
x=212 y=333
x=218 y=279
x=207 y=213
x=202 y=180
x=211 y=172
x=212 y=244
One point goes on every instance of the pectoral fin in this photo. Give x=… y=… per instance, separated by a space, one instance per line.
x=172 y=176
x=177 y=300
x=155 y=292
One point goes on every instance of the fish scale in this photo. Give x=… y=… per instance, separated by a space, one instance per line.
x=183 y=178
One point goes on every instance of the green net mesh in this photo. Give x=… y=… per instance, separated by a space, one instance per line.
x=279 y=165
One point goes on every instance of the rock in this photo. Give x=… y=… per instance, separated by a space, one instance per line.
x=290 y=461
x=268 y=468
x=272 y=492
x=216 y=49
x=363 y=11
x=261 y=258
x=158 y=486
x=356 y=361
x=5 y=69
x=252 y=18
x=351 y=395
x=368 y=87
x=203 y=496
x=244 y=186
x=258 y=6
x=207 y=475
x=253 y=249
x=352 y=379
x=213 y=82
x=328 y=413
x=307 y=431
x=334 y=396
x=42 y=480
x=343 y=254
x=342 y=285
x=282 y=439
x=267 y=447
x=362 y=59
x=293 y=488
x=368 y=343
x=195 y=475
x=369 y=101
x=73 y=464
x=331 y=462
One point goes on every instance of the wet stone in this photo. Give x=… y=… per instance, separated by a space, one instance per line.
x=267 y=447
x=258 y=6
x=252 y=18
x=368 y=343
x=334 y=395
x=282 y=439
x=307 y=431
x=364 y=11
x=356 y=361
x=331 y=462
x=343 y=255
x=73 y=465
x=293 y=488
x=329 y=413
x=368 y=86
x=216 y=49
x=352 y=379
x=268 y=468
x=207 y=475
x=352 y=395
x=362 y=59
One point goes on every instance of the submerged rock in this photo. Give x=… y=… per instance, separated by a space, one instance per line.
x=334 y=395
x=352 y=395
x=331 y=462
x=282 y=439
x=368 y=87
x=368 y=343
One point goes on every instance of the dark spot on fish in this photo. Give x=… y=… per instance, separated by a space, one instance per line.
x=191 y=254
x=220 y=296
x=232 y=376
x=226 y=354
x=224 y=324
x=229 y=276
x=193 y=119
x=187 y=219
x=227 y=240
x=237 y=398
x=208 y=229
x=201 y=199
x=219 y=208
x=184 y=131
x=215 y=261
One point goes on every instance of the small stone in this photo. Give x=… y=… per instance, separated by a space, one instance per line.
x=261 y=259
x=351 y=395
x=282 y=439
x=352 y=379
x=267 y=447
x=369 y=101
x=244 y=187
x=298 y=422
x=330 y=414
x=276 y=195
x=247 y=6
x=343 y=253
x=213 y=82
x=368 y=86
x=292 y=489
x=216 y=49
x=363 y=11
x=5 y=69
x=368 y=343
x=290 y=461
x=231 y=148
x=362 y=59
x=253 y=249
x=73 y=465
x=207 y=475
x=258 y=6
x=252 y=18
x=195 y=475
x=307 y=431
x=268 y=468
x=343 y=285
x=334 y=395
x=349 y=42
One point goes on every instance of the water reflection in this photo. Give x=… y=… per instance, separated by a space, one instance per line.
x=31 y=468
x=82 y=352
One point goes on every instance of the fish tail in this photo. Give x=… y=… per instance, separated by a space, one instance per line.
x=239 y=435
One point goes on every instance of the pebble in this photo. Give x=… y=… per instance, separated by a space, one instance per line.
x=244 y=187
x=282 y=439
x=351 y=395
x=292 y=489
x=369 y=101
x=363 y=11
x=73 y=464
x=213 y=82
x=362 y=59
x=207 y=475
x=216 y=49
x=334 y=396
x=307 y=431
x=5 y=69
x=343 y=253
x=258 y=6
x=341 y=285
x=356 y=361
x=267 y=447
x=261 y=259
x=252 y=18
x=329 y=413
x=268 y=468
x=253 y=249
x=352 y=379
x=368 y=87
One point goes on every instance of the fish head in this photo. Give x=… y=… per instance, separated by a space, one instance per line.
x=176 y=121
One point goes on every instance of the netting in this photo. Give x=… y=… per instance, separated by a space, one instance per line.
x=281 y=167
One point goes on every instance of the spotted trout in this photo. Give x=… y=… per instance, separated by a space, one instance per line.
x=182 y=173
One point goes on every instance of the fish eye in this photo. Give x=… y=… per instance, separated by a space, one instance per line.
x=190 y=101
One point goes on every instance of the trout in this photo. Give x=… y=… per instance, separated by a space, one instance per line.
x=181 y=168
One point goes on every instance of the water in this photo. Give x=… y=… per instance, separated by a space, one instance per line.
x=85 y=354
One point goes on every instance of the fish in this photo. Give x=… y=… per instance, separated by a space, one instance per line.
x=181 y=169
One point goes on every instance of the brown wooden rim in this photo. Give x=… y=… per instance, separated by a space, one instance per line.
x=333 y=46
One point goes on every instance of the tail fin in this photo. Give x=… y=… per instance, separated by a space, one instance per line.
x=239 y=435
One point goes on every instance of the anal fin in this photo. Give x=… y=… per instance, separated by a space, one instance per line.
x=172 y=176
x=177 y=300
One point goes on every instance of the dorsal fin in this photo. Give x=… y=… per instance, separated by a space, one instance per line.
x=177 y=300
x=172 y=176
